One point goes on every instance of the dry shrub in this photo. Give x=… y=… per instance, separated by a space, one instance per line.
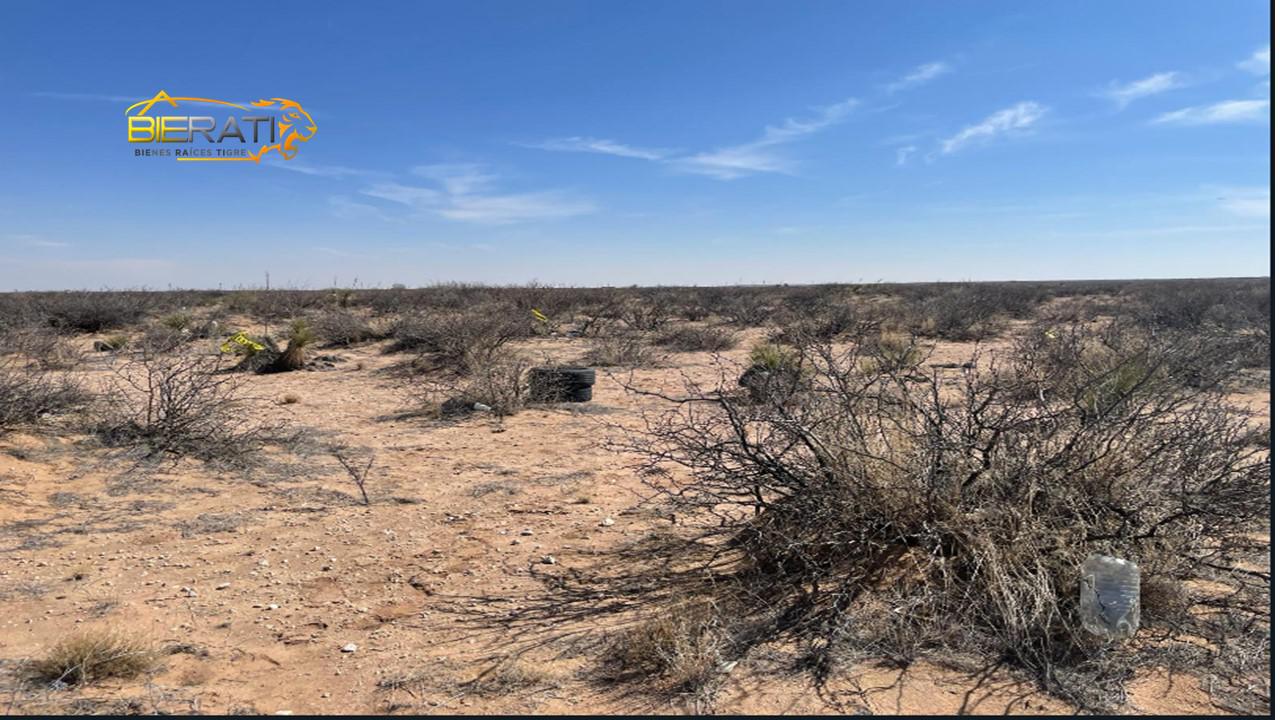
x=1193 y=305
x=681 y=647
x=815 y=320
x=27 y=395
x=181 y=406
x=698 y=339
x=92 y=312
x=509 y=675
x=453 y=341
x=743 y=308
x=495 y=380
x=343 y=328
x=644 y=315
x=162 y=339
x=881 y=513
x=92 y=655
x=49 y=349
x=177 y=321
x=892 y=352
x=970 y=311
x=631 y=350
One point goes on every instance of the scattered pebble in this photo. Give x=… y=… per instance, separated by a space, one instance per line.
x=349 y=648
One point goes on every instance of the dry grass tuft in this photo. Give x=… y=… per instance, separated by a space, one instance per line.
x=683 y=647
x=510 y=675
x=92 y=655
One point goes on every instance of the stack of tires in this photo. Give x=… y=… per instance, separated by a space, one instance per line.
x=561 y=384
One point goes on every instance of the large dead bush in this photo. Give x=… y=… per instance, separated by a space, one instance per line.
x=28 y=395
x=182 y=406
x=881 y=511
x=454 y=341
x=494 y=380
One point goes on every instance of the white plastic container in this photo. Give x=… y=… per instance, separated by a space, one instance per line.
x=1110 y=589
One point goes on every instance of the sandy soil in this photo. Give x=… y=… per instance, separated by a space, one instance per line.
x=261 y=579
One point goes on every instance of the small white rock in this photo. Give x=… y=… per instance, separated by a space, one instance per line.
x=607 y=522
x=349 y=648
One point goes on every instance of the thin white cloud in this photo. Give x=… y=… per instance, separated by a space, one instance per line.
x=328 y=171
x=404 y=194
x=734 y=162
x=602 y=147
x=504 y=209
x=344 y=208
x=725 y=163
x=465 y=195
x=919 y=76
x=36 y=241
x=1228 y=111
x=1259 y=63
x=1124 y=94
x=1011 y=119
x=1250 y=202
x=905 y=153
x=457 y=178
x=762 y=155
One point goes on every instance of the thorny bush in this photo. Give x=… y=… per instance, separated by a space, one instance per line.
x=887 y=512
x=182 y=406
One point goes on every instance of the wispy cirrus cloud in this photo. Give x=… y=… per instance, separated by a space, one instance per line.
x=39 y=241
x=1124 y=93
x=1012 y=119
x=919 y=76
x=464 y=192
x=904 y=154
x=344 y=208
x=327 y=171
x=763 y=155
x=1225 y=112
x=1252 y=202
x=1259 y=63
x=602 y=147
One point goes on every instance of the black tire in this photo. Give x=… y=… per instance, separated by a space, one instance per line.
x=561 y=384
x=570 y=376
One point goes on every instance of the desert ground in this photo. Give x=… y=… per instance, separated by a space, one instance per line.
x=255 y=578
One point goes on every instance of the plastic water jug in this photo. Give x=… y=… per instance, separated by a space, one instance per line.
x=1109 y=591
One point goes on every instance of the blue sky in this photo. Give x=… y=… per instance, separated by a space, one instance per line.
x=603 y=142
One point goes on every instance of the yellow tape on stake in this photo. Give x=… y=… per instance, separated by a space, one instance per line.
x=243 y=340
x=539 y=316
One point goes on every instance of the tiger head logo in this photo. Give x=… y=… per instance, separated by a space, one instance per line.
x=295 y=126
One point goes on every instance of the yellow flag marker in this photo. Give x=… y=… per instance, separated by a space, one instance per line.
x=243 y=340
